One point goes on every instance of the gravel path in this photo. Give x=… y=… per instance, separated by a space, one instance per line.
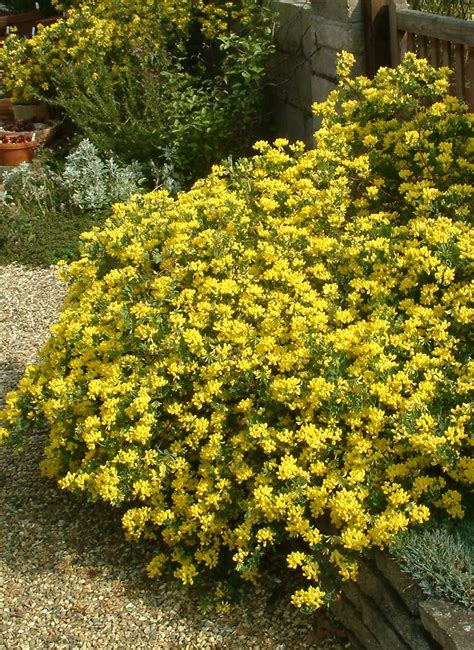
x=67 y=577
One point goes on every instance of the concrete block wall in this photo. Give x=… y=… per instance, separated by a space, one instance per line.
x=308 y=35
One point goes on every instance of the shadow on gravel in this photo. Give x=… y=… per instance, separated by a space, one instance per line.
x=59 y=528
x=11 y=371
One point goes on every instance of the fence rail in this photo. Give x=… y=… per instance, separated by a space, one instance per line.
x=442 y=40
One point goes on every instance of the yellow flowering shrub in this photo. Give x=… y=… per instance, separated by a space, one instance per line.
x=111 y=30
x=279 y=355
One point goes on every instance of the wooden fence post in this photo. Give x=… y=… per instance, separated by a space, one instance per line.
x=395 y=55
x=377 y=35
x=394 y=42
x=381 y=39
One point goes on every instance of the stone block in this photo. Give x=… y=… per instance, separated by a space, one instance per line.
x=290 y=122
x=298 y=85
x=393 y=608
x=339 y=35
x=315 y=125
x=404 y=585
x=351 y=619
x=291 y=80
x=450 y=625
x=342 y=10
x=323 y=62
x=321 y=88
x=373 y=619
x=295 y=31
x=309 y=130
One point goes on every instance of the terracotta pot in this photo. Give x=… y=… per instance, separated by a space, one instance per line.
x=23 y=112
x=12 y=154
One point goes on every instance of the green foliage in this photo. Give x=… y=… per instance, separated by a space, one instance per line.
x=160 y=112
x=31 y=238
x=454 y=8
x=45 y=206
x=277 y=360
x=441 y=560
x=94 y=182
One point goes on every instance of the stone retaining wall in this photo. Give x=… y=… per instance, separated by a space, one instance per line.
x=308 y=36
x=385 y=610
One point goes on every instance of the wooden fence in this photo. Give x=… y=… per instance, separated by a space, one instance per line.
x=442 y=40
x=25 y=22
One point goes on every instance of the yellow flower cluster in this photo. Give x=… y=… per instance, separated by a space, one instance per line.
x=111 y=30
x=281 y=353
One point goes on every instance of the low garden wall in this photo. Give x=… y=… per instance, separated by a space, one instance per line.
x=308 y=36
x=386 y=610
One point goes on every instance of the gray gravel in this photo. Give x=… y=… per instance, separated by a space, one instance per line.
x=68 y=579
x=29 y=303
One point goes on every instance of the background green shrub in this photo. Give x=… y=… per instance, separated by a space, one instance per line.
x=161 y=111
x=455 y=8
